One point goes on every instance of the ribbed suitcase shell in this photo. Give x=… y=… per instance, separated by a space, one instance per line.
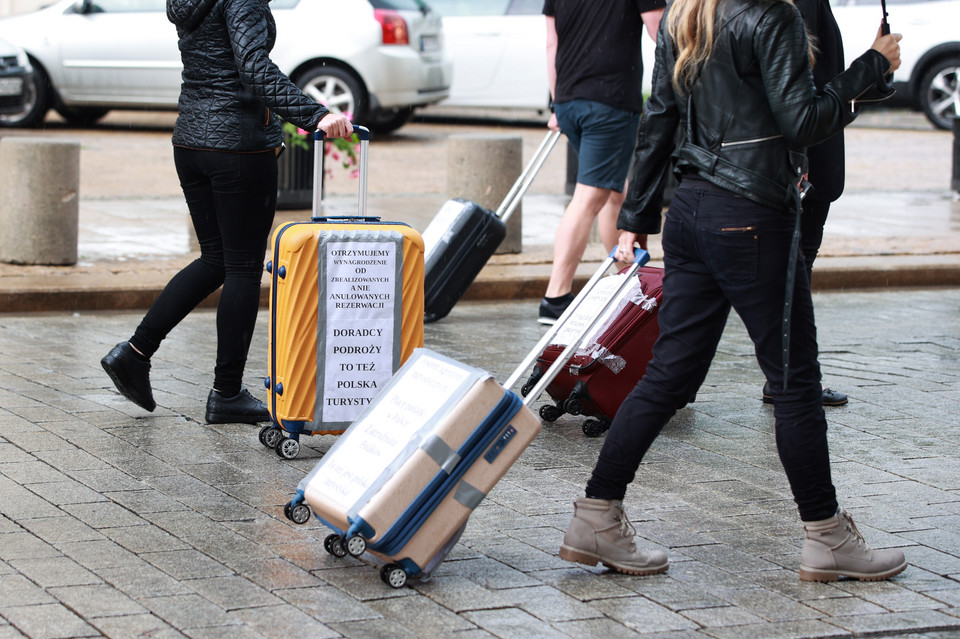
x=294 y=306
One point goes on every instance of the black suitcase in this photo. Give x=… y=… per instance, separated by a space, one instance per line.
x=463 y=235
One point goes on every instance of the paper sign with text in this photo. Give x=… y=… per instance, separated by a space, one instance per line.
x=358 y=322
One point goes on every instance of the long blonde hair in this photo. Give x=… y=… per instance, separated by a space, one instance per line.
x=691 y=25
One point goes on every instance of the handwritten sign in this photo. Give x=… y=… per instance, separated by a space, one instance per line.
x=360 y=299
x=390 y=429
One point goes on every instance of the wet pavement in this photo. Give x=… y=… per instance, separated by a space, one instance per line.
x=121 y=523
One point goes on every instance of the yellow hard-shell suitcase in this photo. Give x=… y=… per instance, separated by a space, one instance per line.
x=346 y=310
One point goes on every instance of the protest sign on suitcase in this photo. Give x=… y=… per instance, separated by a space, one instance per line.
x=346 y=310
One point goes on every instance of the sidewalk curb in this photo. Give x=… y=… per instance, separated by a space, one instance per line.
x=135 y=285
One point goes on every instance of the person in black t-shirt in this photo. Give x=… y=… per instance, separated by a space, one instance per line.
x=595 y=70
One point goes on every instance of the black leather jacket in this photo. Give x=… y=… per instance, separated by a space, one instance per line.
x=232 y=93
x=750 y=116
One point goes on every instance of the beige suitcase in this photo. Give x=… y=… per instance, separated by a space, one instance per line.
x=403 y=479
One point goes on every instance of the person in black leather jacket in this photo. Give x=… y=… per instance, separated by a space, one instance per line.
x=226 y=141
x=733 y=78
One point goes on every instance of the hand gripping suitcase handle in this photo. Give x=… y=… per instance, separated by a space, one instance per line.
x=318 y=153
x=640 y=257
x=519 y=188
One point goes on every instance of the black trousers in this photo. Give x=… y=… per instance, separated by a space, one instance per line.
x=723 y=251
x=232 y=199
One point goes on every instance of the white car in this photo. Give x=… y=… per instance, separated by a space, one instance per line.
x=15 y=78
x=499 y=51
x=376 y=59
x=929 y=52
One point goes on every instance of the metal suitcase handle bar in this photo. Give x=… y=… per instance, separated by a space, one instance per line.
x=640 y=257
x=319 y=140
x=519 y=188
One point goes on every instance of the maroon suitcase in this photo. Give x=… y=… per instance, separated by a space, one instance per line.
x=596 y=381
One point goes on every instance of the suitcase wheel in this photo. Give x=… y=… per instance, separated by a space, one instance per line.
x=534 y=378
x=356 y=546
x=550 y=413
x=299 y=514
x=287 y=448
x=573 y=405
x=393 y=575
x=270 y=436
x=596 y=427
x=333 y=544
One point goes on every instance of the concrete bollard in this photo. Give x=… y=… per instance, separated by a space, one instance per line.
x=39 y=201
x=482 y=168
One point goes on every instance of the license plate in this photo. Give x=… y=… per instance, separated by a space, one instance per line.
x=429 y=43
x=11 y=86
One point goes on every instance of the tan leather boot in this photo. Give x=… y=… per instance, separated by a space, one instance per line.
x=601 y=532
x=834 y=548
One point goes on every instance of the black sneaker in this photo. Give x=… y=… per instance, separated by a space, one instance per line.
x=130 y=373
x=552 y=308
x=830 y=396
x=242 y=408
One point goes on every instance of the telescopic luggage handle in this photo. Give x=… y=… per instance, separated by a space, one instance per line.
x=319 y=140
x=640 y=257
x=515 y=194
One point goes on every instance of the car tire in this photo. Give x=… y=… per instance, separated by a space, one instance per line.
x=40 y=101
x=389 y=120
x=337 y=88
x=82 y=116
x=939 y=91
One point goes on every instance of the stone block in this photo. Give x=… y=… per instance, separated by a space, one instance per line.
x=482 y=168
x=39 y=210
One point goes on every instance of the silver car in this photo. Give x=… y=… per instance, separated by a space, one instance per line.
x=383 y=58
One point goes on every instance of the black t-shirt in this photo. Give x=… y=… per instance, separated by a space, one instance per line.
x=598 y=50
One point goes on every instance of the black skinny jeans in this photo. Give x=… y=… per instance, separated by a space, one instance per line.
x=232 y=198
x=723 y=251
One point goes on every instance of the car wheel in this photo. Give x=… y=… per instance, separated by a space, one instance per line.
x=40 y=98
x=82 y=116
x=940 y=92
x=336 y=88
x=390 y=120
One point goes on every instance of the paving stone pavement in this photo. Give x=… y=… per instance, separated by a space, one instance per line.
x=121 y=523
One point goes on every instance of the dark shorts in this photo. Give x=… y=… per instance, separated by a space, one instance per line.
x=603 y=137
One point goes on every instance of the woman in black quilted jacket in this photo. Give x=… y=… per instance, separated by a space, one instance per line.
x=226 y=141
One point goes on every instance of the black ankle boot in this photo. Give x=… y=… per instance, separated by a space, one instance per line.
x=242 y=408
x=130 y=373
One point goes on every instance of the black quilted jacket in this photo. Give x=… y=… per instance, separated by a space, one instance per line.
x=232 y=93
